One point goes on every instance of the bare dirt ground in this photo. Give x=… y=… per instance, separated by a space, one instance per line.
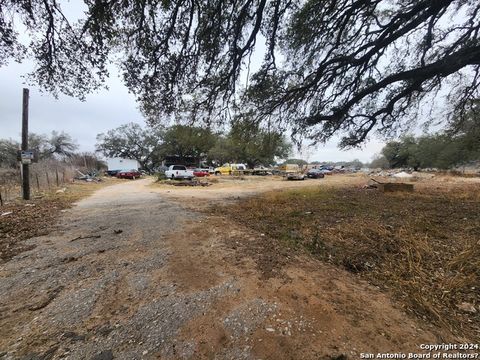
x=136 y=272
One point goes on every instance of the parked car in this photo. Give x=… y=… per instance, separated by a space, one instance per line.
x=201 y=172
x=128 y=174
x=179 y=172
x=315 y=174
x=230 y=169
x=295 y=176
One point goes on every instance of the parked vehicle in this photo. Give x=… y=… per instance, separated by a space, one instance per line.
x=129 y=174
x=179 y=172
x=289 y=168
x=201 y=172
x=209 y=169
x=315 y=174
x=230 y=169
x=295 y=176
x=262 y=171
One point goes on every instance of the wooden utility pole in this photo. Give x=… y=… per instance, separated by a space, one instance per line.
x=25 y=166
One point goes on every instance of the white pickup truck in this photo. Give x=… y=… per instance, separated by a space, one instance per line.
x=178 y=172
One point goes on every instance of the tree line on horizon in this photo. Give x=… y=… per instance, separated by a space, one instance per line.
x=57 y=146
x=244 y=143
x=443 y=150
x=247 y=143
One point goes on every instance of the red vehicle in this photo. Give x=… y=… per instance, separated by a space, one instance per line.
x=129 y=174
x=201 y=172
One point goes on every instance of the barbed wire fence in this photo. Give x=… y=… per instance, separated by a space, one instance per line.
x=44 y=176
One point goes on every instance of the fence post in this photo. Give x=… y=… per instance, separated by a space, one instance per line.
x=56 y=177
x=25 y=166
x=63 y=177
x=38 y=182
x=48 y=180
x=1 y=199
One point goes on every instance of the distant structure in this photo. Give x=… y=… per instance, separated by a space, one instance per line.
x=120 y=164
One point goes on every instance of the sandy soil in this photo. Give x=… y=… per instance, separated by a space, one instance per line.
x=134 y=272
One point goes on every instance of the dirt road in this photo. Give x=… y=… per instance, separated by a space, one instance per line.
x=132 y=273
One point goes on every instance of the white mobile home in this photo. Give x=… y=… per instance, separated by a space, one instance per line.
x=120 y=164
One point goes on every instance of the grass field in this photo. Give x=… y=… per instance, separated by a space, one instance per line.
x=422 y=247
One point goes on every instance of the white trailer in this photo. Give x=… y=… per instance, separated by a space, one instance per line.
x=121 y=164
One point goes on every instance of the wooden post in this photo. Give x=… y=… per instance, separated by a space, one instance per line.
x=63 y=177
x=56 y=177
x=48 y=180
x=38 y=182
x=25 y=167
x=1 y=199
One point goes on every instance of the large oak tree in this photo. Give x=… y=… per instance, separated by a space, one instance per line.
x=329 y=66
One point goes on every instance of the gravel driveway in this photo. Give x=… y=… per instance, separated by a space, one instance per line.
x=93 y=288
x=129 y=273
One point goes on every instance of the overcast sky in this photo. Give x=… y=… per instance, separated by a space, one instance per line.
x=107 y=109
x=102 y=111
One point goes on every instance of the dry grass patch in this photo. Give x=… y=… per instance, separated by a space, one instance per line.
x=424 y=247
x=24 y=220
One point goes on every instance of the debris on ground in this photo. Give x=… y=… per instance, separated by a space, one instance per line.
x=21 y=221
x=90 y=177
x=403 y=174
x=188 y=183
x=86 y=237
x=467 y=307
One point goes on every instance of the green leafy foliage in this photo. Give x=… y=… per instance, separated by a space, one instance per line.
x=131 y=141
x=379 y=162
x=443 y=151
x=247 y=142
x=187 y=141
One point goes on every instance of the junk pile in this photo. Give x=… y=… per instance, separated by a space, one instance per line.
x=91 y=176
x=189 y=183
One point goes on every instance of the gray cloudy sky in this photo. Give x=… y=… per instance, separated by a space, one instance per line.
x=105 y=110
x=102 y=111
